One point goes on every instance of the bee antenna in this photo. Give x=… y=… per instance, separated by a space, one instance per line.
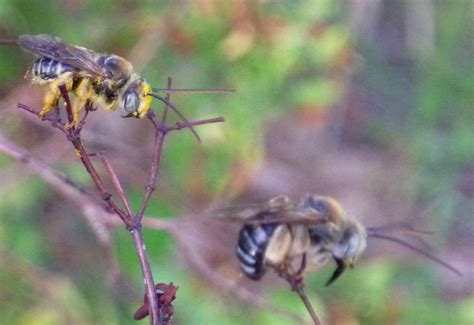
x=404 y=226
x=175 y=109
x=193 y=91
x=415 y=249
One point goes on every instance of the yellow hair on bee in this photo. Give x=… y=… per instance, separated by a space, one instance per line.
x=145 y=101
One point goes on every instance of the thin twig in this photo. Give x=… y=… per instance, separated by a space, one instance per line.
x=177 y=112
x=11 y=42
x=155 y=314
x=116 y=182
x=106 y=196
x=179 y=125
x=133 y=222
x=166 y=109
x=67 y=101
x=57 y=124
x=300 y=291
x=216 y=279
x=74 y=138
x=155 y=163
x=99 y=218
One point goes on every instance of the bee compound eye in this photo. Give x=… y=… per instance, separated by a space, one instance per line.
x=130 y=102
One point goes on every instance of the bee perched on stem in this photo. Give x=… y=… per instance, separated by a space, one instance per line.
x=314 y=230
x=106 y=80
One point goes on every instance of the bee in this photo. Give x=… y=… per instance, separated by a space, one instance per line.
x=314 y=230
x=106 y=80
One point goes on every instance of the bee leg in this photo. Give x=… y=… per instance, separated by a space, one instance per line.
x=50 y=99
x=83 y=92
x=302 y=269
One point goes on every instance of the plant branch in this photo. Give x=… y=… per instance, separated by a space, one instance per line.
x=116 y=182
x=155 y=163
x=179 y=125
x=300 y=291
x=99 y=219
x=72 y=130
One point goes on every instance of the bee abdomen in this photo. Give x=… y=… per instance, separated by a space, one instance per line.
x=253 y=241
x=47 y=69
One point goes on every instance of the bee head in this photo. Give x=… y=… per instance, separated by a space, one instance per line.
x=351 y=244
x=134 y=101
x=343 y=238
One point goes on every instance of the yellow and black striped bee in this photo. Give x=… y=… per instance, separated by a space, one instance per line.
x=312 y=231
x=106 y=80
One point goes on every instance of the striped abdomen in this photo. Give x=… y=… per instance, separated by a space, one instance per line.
x=251 y=247
x=46 y=70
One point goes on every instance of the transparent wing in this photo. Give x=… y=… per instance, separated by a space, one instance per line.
x=251 y=211
x=280 y=209
x=56 y=49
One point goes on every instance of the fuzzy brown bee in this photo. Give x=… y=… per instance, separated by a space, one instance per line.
x=315 y=230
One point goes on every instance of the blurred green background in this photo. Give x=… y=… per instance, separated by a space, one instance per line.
x=370 y=102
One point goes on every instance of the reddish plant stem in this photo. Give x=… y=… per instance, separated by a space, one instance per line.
x=179 y=125
x=54 y=121
x=75 y=139
x=115 y=180
x=150 y=188
x=133 y=223
x=300 y=291
x=155 y=163
x=106 y=196
x=11 y=42
x=155 y=314
x=165 y=109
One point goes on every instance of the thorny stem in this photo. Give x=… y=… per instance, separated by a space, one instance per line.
x=133 y=222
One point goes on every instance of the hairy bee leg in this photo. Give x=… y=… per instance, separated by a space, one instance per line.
x=50 y=99
x=52 y=96
x=302 y=269
x=83 y=93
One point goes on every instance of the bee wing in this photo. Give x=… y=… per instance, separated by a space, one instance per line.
x=279 y=209
x=56 y=49
x=292 y=217
x=251 y=211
